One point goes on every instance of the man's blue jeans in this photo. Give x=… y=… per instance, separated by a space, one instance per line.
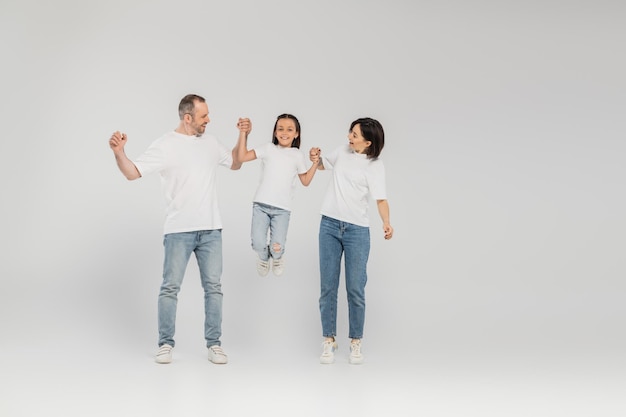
x=207 y=246
x=337 y=238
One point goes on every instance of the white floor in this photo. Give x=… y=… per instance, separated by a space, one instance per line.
x=90 y=352
x=86 y=378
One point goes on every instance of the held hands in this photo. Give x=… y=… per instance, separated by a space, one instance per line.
x=118 y=141
x=244 y=125
x=315 y=155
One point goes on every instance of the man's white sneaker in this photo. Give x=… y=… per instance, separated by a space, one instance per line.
x=217 y=355
x=164 y=355
x=356 y=357
x=328 y=354
x=278 y=266
x=262 y=267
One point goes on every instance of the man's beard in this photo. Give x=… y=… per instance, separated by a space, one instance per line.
x=199 y=131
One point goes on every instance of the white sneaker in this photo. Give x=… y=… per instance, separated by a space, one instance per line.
x=328 y=354
x=262 y=267
x=356 y=357
x=217 y=355
x=164 y=355
x=278 y=266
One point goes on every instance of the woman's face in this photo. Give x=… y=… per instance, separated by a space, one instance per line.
x=357 y=141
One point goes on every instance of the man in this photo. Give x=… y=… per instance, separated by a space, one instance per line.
x=187 y=160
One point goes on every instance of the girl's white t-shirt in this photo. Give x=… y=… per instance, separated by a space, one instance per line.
x=280 y=167
x=187 y=166
x=356 y=180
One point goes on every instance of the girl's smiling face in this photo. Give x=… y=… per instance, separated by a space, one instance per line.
x=285 y=132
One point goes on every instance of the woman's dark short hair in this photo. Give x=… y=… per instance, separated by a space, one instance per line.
x=188 y=104
x=372 y=131
x=296 y=141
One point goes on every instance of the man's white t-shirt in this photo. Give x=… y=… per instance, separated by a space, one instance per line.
x=187 y=166
x=356 y=179
x=280 y=167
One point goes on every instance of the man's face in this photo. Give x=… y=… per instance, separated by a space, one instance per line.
x=199 y=118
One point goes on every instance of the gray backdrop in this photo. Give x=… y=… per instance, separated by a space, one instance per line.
x=505 y=149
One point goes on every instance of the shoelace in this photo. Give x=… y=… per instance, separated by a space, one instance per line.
x=164 y=350
x=355 y=348
x=329 y=347
x=218 y=350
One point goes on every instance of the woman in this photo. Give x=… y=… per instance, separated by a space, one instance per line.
x=358 y=175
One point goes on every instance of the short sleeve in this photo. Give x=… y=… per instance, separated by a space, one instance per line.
x=330 y=160
x=376 y=180
x=151 y=160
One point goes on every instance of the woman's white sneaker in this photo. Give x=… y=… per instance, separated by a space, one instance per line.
x=328 y=351
x=356 y=357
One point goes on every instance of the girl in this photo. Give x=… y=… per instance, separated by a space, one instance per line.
x=358 y=175
x=282 y=162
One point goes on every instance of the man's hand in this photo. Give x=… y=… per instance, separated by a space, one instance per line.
x=118 y=141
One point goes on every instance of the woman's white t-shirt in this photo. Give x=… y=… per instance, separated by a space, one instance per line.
x=355 y=180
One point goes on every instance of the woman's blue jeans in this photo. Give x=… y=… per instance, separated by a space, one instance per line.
x=275 y=220
x=337 y=238
x=207 y=246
